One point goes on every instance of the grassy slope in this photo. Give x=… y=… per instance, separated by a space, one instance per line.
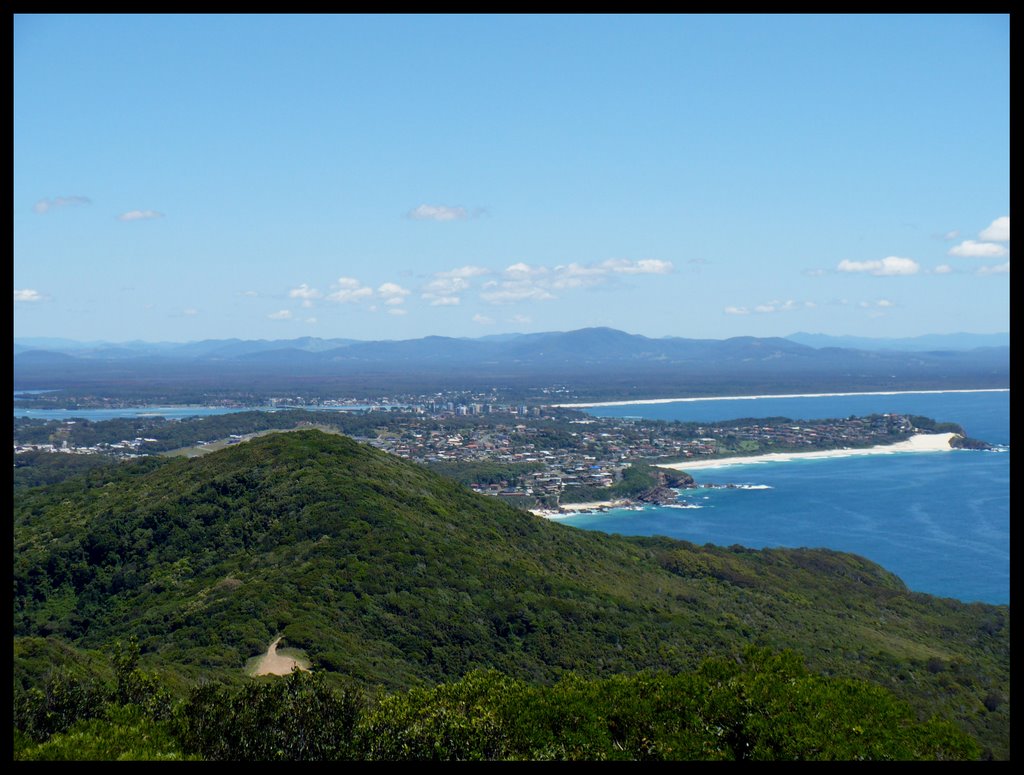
x=385 y=572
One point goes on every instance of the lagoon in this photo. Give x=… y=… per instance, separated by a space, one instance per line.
x=168 y=412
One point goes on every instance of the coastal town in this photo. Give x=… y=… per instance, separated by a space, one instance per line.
x=537 y=456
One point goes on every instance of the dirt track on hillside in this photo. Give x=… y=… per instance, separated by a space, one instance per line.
x=273 y=663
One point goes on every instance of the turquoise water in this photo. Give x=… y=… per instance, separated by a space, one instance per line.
x=170 y=412
x=940 y=521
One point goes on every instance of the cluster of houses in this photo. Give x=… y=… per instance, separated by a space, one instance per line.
x=123 y=448
x=600 y=448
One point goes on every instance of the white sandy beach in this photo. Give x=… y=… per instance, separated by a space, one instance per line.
x=572 y=509
x=922 y=442
x=790 y=395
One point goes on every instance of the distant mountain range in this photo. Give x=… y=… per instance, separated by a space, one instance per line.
x=227 y=348
x=601 y=360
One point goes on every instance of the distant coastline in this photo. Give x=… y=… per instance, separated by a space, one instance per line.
x=584 y=405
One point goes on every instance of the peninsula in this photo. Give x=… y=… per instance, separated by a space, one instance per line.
x=921 y=442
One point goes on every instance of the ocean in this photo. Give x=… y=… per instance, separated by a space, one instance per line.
x=940 y=520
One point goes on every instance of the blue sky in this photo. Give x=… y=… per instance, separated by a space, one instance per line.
x=188 y=177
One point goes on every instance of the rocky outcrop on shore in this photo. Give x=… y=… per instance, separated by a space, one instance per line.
x=661 y=496
x=678 y=479
x=966 y=442
x=665 y=493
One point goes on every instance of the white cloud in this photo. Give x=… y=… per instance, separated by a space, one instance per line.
x=942 y=269
x=643 y=266
x=445 y=287
x=772 y=306
x=585 y=270
x=520 y=319
x=998 y=269
x=874 y=306
x=392 y=293
x=578 y=276
x=464 y=271
x=523 y=282
x=139 y=215
x=311 y=321
x=951 y=235
x=971 y=249
x=427 y=212
x=512 y=292
x=888 y=266
x=28 y=294
x=45 y=205
x=398 y=311
x=520 y=270
x=997 y=231
x=483 y=320
x=304 y=292
x=250 y=293
x=349 y=290
x=283 y=314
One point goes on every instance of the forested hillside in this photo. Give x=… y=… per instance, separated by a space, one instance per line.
x=391 y=577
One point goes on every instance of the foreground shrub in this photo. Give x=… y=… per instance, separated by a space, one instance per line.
x=124 y=733
x=762 y=706
x=298 y=718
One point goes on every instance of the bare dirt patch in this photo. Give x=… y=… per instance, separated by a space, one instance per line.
x=273 y=663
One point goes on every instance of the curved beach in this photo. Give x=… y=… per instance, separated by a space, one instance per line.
x=587 y=405
x=922 y=442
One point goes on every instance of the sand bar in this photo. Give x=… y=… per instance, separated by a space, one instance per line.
x=790 y=395
x=922 y=442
